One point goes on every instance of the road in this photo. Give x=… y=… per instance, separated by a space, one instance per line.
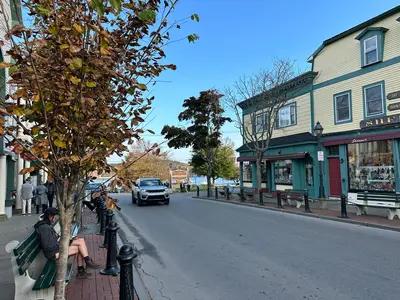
x=199 y=249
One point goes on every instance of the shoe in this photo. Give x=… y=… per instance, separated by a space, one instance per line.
x=91 y=265
x=83 y=274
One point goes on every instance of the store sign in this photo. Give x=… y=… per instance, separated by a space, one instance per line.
x=393 y=95
x=380 y=121
x=320 y=155
x=394 y=106
x=355 y=141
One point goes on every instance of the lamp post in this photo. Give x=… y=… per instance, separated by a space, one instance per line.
x=318 y=129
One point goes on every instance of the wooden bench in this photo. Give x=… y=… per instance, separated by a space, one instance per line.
x=293 y=195
x=223 y=192
x=248 y=193
x=389 y=201
x=34 y=275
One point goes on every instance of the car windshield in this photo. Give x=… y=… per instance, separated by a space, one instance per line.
x=150 y=182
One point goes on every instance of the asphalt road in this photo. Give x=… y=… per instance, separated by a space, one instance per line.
x=199 y=249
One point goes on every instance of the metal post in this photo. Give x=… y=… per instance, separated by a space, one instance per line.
x=321 y=179
x=125 y=259
x=306 y=203
x=109 y=217
x=227 y=193
x=241 y=195
x=279 y=199
x=198 y=191
x=98 y=210
x=216 y=192
x=261 y=197
x=102 y=218
x=208 y=192
x=343 y=207
x=112 y=265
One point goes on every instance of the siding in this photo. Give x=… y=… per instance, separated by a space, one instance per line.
x=303 y=118
x=344 y=56
x=323 y=97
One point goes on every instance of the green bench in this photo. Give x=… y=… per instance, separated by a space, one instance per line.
x=389 y=201
x=34 y=275
x=293 y=195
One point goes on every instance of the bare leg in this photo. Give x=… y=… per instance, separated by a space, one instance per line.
x=81 y=244
x=73 y=249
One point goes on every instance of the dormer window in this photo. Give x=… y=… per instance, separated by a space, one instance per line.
x=371 y=44
x=371 y=50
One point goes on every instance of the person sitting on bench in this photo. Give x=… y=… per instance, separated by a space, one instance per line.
x=50 y=246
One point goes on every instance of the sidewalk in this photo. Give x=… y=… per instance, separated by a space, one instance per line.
x=98 y=286
x=377 y=217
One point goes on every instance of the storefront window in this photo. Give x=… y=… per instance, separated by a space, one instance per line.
x=263 y=172
x=283 y=172
x=371 y=166
x=247 y=173
x=309 y=172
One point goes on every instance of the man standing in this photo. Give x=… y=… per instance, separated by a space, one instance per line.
x=26 y=196
x=51 y=190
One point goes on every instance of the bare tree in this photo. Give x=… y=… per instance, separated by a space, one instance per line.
x=256 y=100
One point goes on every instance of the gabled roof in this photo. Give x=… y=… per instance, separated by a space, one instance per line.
x=354 y=29
x=359 y=37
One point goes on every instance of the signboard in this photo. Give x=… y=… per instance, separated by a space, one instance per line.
x=393 y=95
x=380 y=121
x=394 y=106
x=320 y=155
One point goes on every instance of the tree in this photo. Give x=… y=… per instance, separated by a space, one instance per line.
x=81 y=72
x=205 y=115
x=256 y=100
x=223 y=165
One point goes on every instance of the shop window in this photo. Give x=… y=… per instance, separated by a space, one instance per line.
x=309 y=172
x=371 y=166
x=283 y=172
x=333 y=150
x=374 y=100
x=286 y=116
x=263 y=172
x=261 y=123
x=247 y=172
x=342 y=106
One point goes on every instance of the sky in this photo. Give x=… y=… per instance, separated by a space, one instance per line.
x=239 y=37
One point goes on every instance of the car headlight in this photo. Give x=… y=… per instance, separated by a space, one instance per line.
x=144 y=191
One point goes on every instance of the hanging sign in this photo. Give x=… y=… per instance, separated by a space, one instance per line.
x=393 y=95
x=394 y=106
x=387 y=120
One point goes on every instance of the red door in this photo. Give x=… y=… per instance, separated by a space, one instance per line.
x=334 y=177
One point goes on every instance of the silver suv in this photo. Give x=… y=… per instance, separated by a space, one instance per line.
x=149 y=190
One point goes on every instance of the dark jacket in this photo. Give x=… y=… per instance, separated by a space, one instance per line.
x=48 y=239
x=51 y=187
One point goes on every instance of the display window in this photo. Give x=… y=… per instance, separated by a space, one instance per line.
x=283 y=172
x=371 y=166
x=247 y=172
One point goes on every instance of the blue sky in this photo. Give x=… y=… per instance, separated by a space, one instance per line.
x=239 y=37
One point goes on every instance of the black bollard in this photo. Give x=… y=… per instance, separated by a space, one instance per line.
x=208 y=192
x=241 y=195
x=112 y=265
x=343 y=207
x=109 y=217
x=306 y=203
x=216 y=192
x=125 y=259
x=261 y=197
x=198 y=191
x=102 y=218
x=227 y=193
x=98 y=210
x=279 y=199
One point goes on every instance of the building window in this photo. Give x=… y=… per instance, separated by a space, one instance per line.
x=374 y=100
x=247 y=172
x=371 y=50
x=309 y=172
x=287 y=116
x=342 y=104
x=371 y=166
x=283 y=172
x=261 y=123
x=333 y=150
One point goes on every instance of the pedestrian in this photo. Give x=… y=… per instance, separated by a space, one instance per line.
x=26 y=196
x=188 y=187
x=49 y=244
x=51 y=190
x=41 y=197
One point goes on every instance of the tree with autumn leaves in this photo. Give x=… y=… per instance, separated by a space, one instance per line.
x=81 y=71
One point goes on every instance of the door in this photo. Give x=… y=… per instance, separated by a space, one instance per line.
x=335 y=179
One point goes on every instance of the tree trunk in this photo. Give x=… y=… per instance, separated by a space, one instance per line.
x=258 y=171
x=209 y=172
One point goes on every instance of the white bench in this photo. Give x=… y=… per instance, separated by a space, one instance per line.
x=388 y=201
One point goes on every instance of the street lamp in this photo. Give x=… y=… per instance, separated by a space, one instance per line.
x=318 y=129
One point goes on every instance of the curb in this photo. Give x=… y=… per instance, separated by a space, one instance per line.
x=349 y=221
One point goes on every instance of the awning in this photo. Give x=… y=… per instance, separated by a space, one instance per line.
x=362 y=138
x=297 y=155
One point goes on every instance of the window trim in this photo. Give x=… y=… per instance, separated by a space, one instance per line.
x=264 y=124
x=376 y=48
x=295 y=115
x=335 y=108
x=364 y=88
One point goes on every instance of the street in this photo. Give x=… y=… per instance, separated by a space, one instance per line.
x=199 y=249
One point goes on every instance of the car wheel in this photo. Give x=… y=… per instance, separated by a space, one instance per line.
x=133 y=198
x=166 y=202
x=139 y=200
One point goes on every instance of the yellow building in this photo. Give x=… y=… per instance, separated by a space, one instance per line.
x=355 y=94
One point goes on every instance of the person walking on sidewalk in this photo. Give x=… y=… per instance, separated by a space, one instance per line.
x=41 y=197
x=51 y=190
x=26 y=196
x=50 y=246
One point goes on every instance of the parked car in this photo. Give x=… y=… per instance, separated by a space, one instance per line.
x=149 y=190
x=91 y=188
